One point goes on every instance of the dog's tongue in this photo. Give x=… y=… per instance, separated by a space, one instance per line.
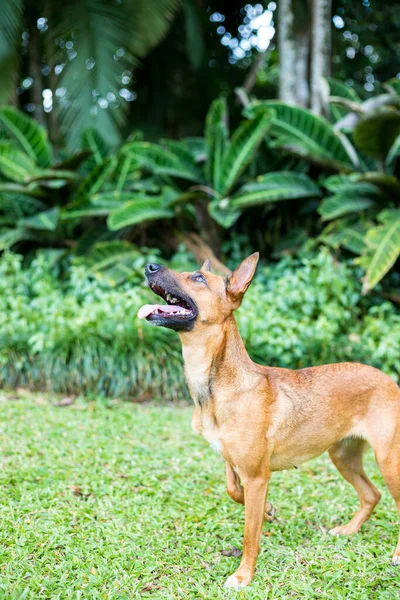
x=149 y=309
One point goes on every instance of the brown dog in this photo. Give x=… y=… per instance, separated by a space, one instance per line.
x=265 y=419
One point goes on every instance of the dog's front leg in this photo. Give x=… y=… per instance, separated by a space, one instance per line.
x=255 y=494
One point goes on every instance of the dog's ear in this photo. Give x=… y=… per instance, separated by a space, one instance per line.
x=206 y=266
x=239 y=281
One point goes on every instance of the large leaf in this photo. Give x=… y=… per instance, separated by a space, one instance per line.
x=185 y=155
x=376 y=133
x=341 y=90
x=222 y=213
x=93 y=141
x=343 y=204
x=241 y=150
x=216 y=137
x=11 y=23
x=273 y=187
x=94 y=181
x=46 y=220
x=110 y=260
x=108 y=38
x=299 y=129
x=383 y=243
x=14 y=164
x=29 y=135
x=338 y=88
x=112 y=199
x=197 y=146
x=17 y=205
x=161 y=161
x=137 y=211
x=126 y=170
x=346 y=233
x=10 y=237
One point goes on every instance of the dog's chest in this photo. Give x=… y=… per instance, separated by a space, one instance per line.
x=199 y=386
x=211 y=433
x=197 y=373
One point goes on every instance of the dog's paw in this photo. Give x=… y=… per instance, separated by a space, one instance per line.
x=396 y=560
x=343 y=530
x=237 y=582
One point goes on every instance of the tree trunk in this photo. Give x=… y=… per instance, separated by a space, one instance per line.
x=287 y=52
x=303 y=55
x=321 y=50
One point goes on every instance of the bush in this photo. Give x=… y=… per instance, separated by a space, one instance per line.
x=82 y=336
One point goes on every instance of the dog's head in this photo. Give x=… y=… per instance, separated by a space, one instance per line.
x=196 y=299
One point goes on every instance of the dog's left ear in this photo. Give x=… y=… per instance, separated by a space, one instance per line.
x=206 y=266
x=240 y=279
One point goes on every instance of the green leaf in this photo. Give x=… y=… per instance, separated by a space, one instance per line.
x=385 y=242
x=137 y=211
x=376 y=133
x=82 y=213
x=93 y=141
x=343 y=204
x=94 y=181
x=103 y=255
x=241 y=150
x=350 y=236
x=272 y=187
x=338 y=88
x=313 y=136
x=222 y=213
x=127 y=169
x=338 y=183
x=185 y=156
x=11 y=23
x=31 y=137
x=99 y=29
x=47 y=220
x=112 y=199
x=216 y=137
x=14 y=164
x=161 y=161
x=197 y=146
x=74 y=161
x=10 y=237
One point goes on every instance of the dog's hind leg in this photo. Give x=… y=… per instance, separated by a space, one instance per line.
x=347 y=455
x=236 y=492
x=388 y=459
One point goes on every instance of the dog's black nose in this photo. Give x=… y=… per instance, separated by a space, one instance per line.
x=152 y=268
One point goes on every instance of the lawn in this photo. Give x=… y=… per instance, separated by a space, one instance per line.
x=117 y=500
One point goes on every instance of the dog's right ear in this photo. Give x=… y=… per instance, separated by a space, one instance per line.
x=206 y=266
x=239 y=281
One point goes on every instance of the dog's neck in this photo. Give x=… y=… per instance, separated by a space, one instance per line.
x=210 y=351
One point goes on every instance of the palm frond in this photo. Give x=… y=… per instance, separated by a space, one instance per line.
x=10 y=25
x=107 y=39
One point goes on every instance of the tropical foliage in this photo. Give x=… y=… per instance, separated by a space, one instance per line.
x=81 y=336
x=344 y=171
x=362 y=199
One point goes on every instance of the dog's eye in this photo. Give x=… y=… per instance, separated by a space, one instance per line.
x=198 y=277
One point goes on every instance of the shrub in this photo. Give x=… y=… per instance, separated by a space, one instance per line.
x=82 y=336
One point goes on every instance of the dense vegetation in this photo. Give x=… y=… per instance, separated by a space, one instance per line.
x=82 y=335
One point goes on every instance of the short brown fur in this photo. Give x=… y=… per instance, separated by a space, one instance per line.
x=264 y=419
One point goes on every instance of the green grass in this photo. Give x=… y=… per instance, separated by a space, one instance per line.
x=149 y=515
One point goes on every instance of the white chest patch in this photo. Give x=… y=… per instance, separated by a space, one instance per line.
x=216 y=445
x=211 y=434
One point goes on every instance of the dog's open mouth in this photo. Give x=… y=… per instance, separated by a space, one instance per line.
x=178 y=307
